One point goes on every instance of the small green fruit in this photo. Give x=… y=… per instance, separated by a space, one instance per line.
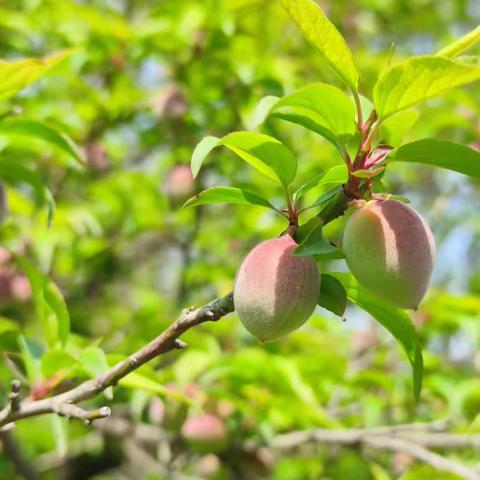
x=275 y=292
x=391 y=251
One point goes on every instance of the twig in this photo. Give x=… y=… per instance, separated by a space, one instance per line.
x=65 y=404
x=14 y=396
x=421 y=453
x=412 y=439
x=426 y=434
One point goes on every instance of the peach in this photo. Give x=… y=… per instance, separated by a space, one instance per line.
x=390 y=250
x=179 y=183
x=207 y=432
x=275 y=291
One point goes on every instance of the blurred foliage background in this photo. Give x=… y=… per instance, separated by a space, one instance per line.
x=145 y=82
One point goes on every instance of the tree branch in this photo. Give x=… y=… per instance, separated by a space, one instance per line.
x=65 y=404
x=421 y=453
x=412 y=439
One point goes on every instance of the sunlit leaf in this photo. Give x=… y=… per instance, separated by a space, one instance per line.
x=324 y=37
x=461 y=44
x=227 y=195
x=439 y=153
x=334 y=176
x=23 y=127
x=418 y=79
x=48 y=300
x=14 y=172
x=395 y=128
x=139 y=381
x=55 y=361
x=203 y=148
x=18 y=74
x=322 y=108
x=263 y=110
x=324 y=198
x=266 y=154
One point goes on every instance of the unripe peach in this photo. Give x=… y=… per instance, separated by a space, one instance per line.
x=275 y=291
x=179 y=182
x=391 y=251
x=170 y=103
x=97 y=158
x=209 y=465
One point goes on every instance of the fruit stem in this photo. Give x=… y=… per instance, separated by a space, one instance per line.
x=292 y=213
x=352 y=190
x=335 y=208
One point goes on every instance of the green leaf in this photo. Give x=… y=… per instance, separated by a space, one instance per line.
x=469 y=59
x=37 y=283
x=395 y=128
x=15 y=172
x=418 y=79
x=55 y=361
x=23 y=127
x=329 y=256
x=439 y=153
x=227 y=195
x=7 y=325
x=333 y=176
x=266 y=154
x=18 y=74
x=138 y=381
x=314 y=244
x=461 y=44
x=366 y=106
x=395 y=320
x=54 y=299
x=93 y=361
x=332 y=296
x=263 y=110
x=324 y=198
x=31 y=355
x=322 y=108
x=325 y=38
x=48 y=301
x=203 y=148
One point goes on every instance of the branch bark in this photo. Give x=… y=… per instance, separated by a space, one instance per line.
x=412 y=439
x=65 y=404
